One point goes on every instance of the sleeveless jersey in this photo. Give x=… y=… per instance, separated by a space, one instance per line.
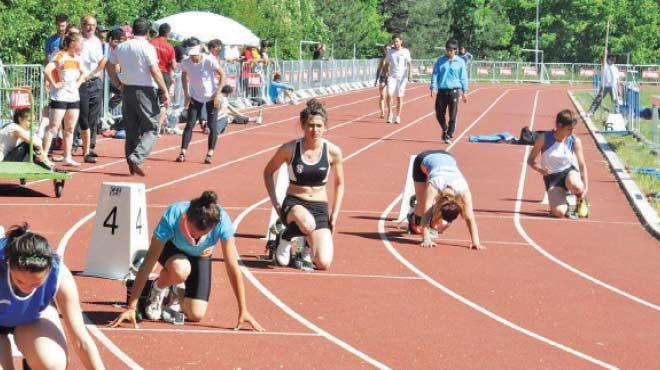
x=556 y=155
x=302 y=173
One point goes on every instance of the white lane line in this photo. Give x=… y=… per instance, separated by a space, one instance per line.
x=330 y=274
x=67 y=236
x=548 y=255
x=473 y=305
x=553 y=219
x=194 y=142
x=212 y=331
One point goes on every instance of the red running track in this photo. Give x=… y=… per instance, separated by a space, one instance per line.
x=551 y=294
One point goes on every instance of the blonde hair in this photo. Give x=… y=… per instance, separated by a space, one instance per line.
x=449 y=202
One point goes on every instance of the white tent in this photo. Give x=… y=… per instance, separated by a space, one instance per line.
x=208 y=26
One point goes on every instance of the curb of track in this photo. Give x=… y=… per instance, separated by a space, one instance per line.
x=644 y=211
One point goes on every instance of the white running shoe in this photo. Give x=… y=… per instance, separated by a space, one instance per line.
x=390 y=118
x=69 y=162
x=398 y=119
x=154 y=307
x=283 y=253
x=306 y=257
x=260 y=118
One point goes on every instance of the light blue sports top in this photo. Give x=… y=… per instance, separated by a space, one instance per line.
x=173 y=227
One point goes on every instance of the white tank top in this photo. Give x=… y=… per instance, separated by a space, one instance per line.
x=558 y=155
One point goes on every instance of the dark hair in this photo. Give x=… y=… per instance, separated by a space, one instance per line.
x=227 y=89
x=61 y=18
x=140 y=26
x=451 y=44
x=566 y=118
x=395 y=36
x=114 y=35
x=449 y=211
x=21 y=113
x=164 y=29
x=277 y=77
x=314 y=108
x=190 y=42
x=203 y=211
x=214 y=43
x=27 y=251
x=70 y=37
x=447 y=205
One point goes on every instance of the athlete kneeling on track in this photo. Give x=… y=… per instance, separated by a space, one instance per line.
x=442 y=194
x=304 y=210
x=562 y=165
x=183 y=243
x=32 y=277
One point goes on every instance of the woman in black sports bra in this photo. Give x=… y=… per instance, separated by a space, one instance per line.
x=305 y=210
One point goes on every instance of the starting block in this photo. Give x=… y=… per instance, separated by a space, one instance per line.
x=120 y=230
x=408 y=192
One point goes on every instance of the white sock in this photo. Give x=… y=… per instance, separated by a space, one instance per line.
x=156 y=287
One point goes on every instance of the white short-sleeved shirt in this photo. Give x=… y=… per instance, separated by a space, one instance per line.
x=91 y=54
x=398 y=60
x=201 y=77
x=135 y=57
x=68 y=69
x=7 y=140
x=224 y=107
x=611 y=75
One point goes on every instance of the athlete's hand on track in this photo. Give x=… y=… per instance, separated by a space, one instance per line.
x=428 y=243
x=477 y=247
x=246 y=318
x=128 y=315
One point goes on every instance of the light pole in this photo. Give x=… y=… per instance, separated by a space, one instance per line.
x=536 y=59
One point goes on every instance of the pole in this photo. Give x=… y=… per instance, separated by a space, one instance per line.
x=353 y=51
x=607 y=39
x=536 y=55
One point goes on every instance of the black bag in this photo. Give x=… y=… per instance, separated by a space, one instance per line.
x=528 y=137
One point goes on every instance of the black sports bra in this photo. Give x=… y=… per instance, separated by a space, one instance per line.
x=308 y=174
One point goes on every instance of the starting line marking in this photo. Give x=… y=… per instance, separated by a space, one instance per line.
x=330 y=274
x=212 y=331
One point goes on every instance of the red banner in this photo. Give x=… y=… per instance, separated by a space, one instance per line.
x=505 y=71
x=231 y=80
x=530 y=71
x=587 y=72
x=650 y=74
x=429 y=69
x=287 y=76
x=557 y=72
x=20 y=99
x=483 y=71
x=254 y=80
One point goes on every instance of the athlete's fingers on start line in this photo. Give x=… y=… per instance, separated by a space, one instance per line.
x=246 y=318
x=478 y=247
x=128 y=315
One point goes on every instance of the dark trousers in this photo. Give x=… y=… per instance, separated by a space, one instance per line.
x=91 y=101
x=599 y=98
x=194 y=111
x=447 y=98
x=140 y=113
x=20 y=153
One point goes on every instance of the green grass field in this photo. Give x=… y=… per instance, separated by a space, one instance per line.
x=632 y=152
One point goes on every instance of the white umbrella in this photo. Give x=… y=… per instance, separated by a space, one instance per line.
x=208 y=26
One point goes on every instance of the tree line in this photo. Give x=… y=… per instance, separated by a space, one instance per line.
x=569 y=30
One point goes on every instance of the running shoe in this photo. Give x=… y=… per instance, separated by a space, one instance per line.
x=390 y=118
x=283 y=253
x=154 y=307
x=69 y=162
x=260 y=118
x=397 y=120
x=57 y=158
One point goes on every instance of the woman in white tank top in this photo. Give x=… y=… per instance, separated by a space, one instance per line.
x=562 y=163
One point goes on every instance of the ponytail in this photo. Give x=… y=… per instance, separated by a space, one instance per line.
x=448 y=205
x=27 y=251
x=204 y=211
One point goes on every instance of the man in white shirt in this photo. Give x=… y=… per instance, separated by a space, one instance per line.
x=91 y=91
x=609 y=85
x=399 y=62
x=141 y=78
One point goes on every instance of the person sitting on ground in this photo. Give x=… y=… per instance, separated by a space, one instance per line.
x=234 y=116
x=278 y=91
x=15 y=140
x=34 y=285
x=562 y=163
x=183 y=244
x=442 y=195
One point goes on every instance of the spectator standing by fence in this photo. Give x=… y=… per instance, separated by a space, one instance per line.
x=91 y=91
x=465 y=55
x=450 y=80
x=141 y=77
x=166 y=63
x=52 y=45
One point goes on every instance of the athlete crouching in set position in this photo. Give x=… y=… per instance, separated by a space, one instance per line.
x=32 y=277
x=183 y=243
x=442 y=194
x=304 y=210
x=561 y=156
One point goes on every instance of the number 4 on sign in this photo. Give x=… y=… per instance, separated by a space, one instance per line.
x=138 y=221
x=113 y=225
